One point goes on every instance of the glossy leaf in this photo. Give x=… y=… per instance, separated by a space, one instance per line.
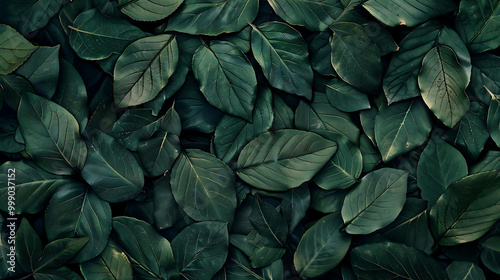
x=111 y=170
x=409 y=12
x=14 y=49
x=440 y=165
x=203 y=186
x=148 y=10
x=212 y=17
x=392 y=260
x=460 y=270
x=272 y=161
x=112 y=263
x=283 y=55
x=134 y=82
x=149 y=253
x=295 y=205
x=490 y=254
x=345 y=97
x=466 y=210
x=268 y=222
x=322 y=247
x=375 y=202
x=201 y=249
x=442 y=82
x=226 y=78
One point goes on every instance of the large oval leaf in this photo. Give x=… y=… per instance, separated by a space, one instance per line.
x=148 y=10
x=322 y=247
x=94 y=36
x=51 y=134
x=201 y=249
x=467 y=209
x=203 y=186
x=143 y=69
x=111 y=264
x=376 y=201
x=477 y=23
x=111 y=170
x=401 y=127
x=76 y=211
x=213 y=17
x=442 y=81
x=408 y=12
x=275 y=160
x=440 y=165
x=315 y=15
x=149 y=253
x=226 y=77
x=355 y=57
x=283 y=55
x=232 y=133
x=392 y=260
x=14 y=49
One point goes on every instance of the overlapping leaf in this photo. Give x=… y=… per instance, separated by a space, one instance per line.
x=148 y=10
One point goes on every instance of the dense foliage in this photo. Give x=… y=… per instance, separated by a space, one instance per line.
x=249 y=139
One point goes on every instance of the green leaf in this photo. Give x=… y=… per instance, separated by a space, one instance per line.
x=195 y=112
x=376 y=201
x=283 y=114
x=273 y=271
x=226 y=78
x=442 y=81
x=76 y=211
x=29 y=15
x=371 y=157
x=71 y=93
x=8 y=132
x=493 y=120
x=264 y=256
x=315 y=15
x=213 y=17
x=13 y=86
x=51 y=134
x=283 y=55
x=345 y=97
x=94 y=36
x=401 y=127
x=201 y=249
x=112 y=263
x=440 y=165
x=408 y=12
x=327 y=201
x=70 y=11
x=232 y=133
x=322 y=247
x=42 y=70
x=14 y=49
x=411 y=227
x=295 y=205
x=490 y=254
x=461 y=270
x=268 y=222
x=139 y=78
x=133 y=126
x=111 y=170
x=166 y=211
x=319 y=48
x=491 y=161
x=60 y=273
x=148 y=10
x=59 y=252
x=203 y=186
x=485 y=77
x=275 y=160
x=343 y=169
x=471 y=134
x=392 y=260
x=149 y=253
x=466 y=210
x=28 y=246
x=320 y=115
x=477 y=24
x=355 y=57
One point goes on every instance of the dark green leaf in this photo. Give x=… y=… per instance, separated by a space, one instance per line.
x=226 y=78
x=460 y=270
x=213 y=17
x=376 y=201
x=327 y=201
x=51 y=134
x=274 y=160
x=371 y=157
x=139 y=78
x=201 y=249
x=111 y=170
x=322 y=247
x=112 y=263
x=264 y=256
x=273 y=271
x=345 y=97
x=148 y=10
x=485 y=77
x=440 y=165
x=149 y=253
x=367 y=119
x=493 y=120
x=13 y=86
x=29 y=15
x=29 y=246
x=268 y=222
x=408 y=12
x=283 y=55
x=490 y=255
x=8 y=132
x=133 y=126
x=70 y=11
x=14 y=49
x=491 y=161
x=203 y=186
x=166 y=210
x=393 y=260
x=59 y=252
x=319 y=48
x=295 y=205
x=283 y=114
